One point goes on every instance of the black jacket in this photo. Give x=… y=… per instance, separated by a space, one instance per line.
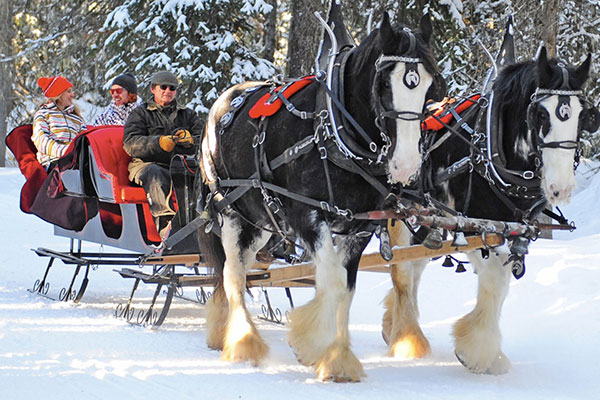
x=147 y=123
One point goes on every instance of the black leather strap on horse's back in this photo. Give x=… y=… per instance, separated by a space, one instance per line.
x=290 y=154
x=321 y=146
x=323 y=205
x=452 y=171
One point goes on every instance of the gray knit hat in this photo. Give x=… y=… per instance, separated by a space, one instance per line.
x=127 y=81
x=164 y=78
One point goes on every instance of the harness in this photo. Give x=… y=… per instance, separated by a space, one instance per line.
x=337 y=136
x=487 y=157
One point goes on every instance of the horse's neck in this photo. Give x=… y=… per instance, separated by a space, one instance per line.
x=357 y=96
x=517 y=142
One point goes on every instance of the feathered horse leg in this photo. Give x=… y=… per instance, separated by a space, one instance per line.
x=241 y=340
x=319 y=330
x=401 y=330
x=477 y=335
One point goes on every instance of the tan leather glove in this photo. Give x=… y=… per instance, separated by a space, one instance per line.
x=166 y=143
x=184 y=138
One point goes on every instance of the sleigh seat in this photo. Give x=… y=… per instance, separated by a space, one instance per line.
x=124 y=219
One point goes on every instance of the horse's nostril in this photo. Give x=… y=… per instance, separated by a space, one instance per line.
x=556 y=193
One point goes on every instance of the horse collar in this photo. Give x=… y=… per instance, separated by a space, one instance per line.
x=519 y=184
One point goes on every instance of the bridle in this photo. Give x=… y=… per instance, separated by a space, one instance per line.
x=411 y=80
x=562 y=111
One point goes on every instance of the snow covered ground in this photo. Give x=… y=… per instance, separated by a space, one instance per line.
x=51 y=350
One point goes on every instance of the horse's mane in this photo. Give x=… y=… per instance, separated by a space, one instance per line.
x=517 y=82
x=370 y=50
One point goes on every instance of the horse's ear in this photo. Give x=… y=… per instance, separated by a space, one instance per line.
x=426 y=27
x=582 y=72
x=386 y=35
x=544 y=69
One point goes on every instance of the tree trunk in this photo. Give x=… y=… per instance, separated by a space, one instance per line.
x=6 y=71
x=271 y=32
x=304 y=37
x=549 y=25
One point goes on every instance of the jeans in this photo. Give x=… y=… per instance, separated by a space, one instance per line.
x=156 y=181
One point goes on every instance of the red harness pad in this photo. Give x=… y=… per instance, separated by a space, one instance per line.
x=441 y=112
x=263 y=108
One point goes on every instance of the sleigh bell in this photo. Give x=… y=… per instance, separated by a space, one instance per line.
x=433 y=240
x=459 y=240
x=448 y=262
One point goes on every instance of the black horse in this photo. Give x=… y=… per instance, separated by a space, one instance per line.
x=301 y=175
x=517 y=153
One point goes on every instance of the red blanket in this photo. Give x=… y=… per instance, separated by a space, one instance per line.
x=19 y=142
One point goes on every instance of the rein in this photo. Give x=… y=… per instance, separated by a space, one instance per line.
x=337 y=137
x=487 y=156
x=484 y=159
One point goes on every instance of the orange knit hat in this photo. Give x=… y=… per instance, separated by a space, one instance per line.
x=54 y=86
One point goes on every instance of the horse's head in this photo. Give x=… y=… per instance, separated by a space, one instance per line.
x=405 y=77
x=556 y=117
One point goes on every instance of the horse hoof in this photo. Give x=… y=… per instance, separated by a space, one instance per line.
x=384 y=336
x=464 y=364
x=500 y=365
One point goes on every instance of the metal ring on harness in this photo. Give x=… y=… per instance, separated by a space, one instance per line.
x=528 y=175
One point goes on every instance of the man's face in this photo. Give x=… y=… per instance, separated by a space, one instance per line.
x=119 y=94
x=164 y=94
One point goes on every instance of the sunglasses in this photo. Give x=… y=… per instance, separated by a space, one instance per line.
x=171 y=87
x=117 y=91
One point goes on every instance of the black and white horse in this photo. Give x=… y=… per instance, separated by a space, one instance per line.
x=306 y=182
x=533 y=117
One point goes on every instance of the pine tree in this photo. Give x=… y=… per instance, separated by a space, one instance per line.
x=208 y=45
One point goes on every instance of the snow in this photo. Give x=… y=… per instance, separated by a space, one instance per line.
x=53 y=350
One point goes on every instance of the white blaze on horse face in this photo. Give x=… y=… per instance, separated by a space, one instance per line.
x=558 y=177
x=405 y=157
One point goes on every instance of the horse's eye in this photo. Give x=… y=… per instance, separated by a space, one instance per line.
x=387 y=84
x=543 y=115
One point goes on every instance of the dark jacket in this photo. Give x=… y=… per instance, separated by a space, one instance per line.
x=147 y=123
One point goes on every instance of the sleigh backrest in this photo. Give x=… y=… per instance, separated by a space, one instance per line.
x=108 y=167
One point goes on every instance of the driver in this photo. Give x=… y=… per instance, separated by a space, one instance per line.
x=154 y=132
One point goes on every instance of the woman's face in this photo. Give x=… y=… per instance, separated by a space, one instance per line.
x=65 y=99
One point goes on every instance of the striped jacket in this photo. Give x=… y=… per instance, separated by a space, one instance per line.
x=114 y=114
x=54 y=130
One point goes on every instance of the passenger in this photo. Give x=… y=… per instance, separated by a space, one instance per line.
x=57 y=121
x=155 y=132
x=124 y=99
